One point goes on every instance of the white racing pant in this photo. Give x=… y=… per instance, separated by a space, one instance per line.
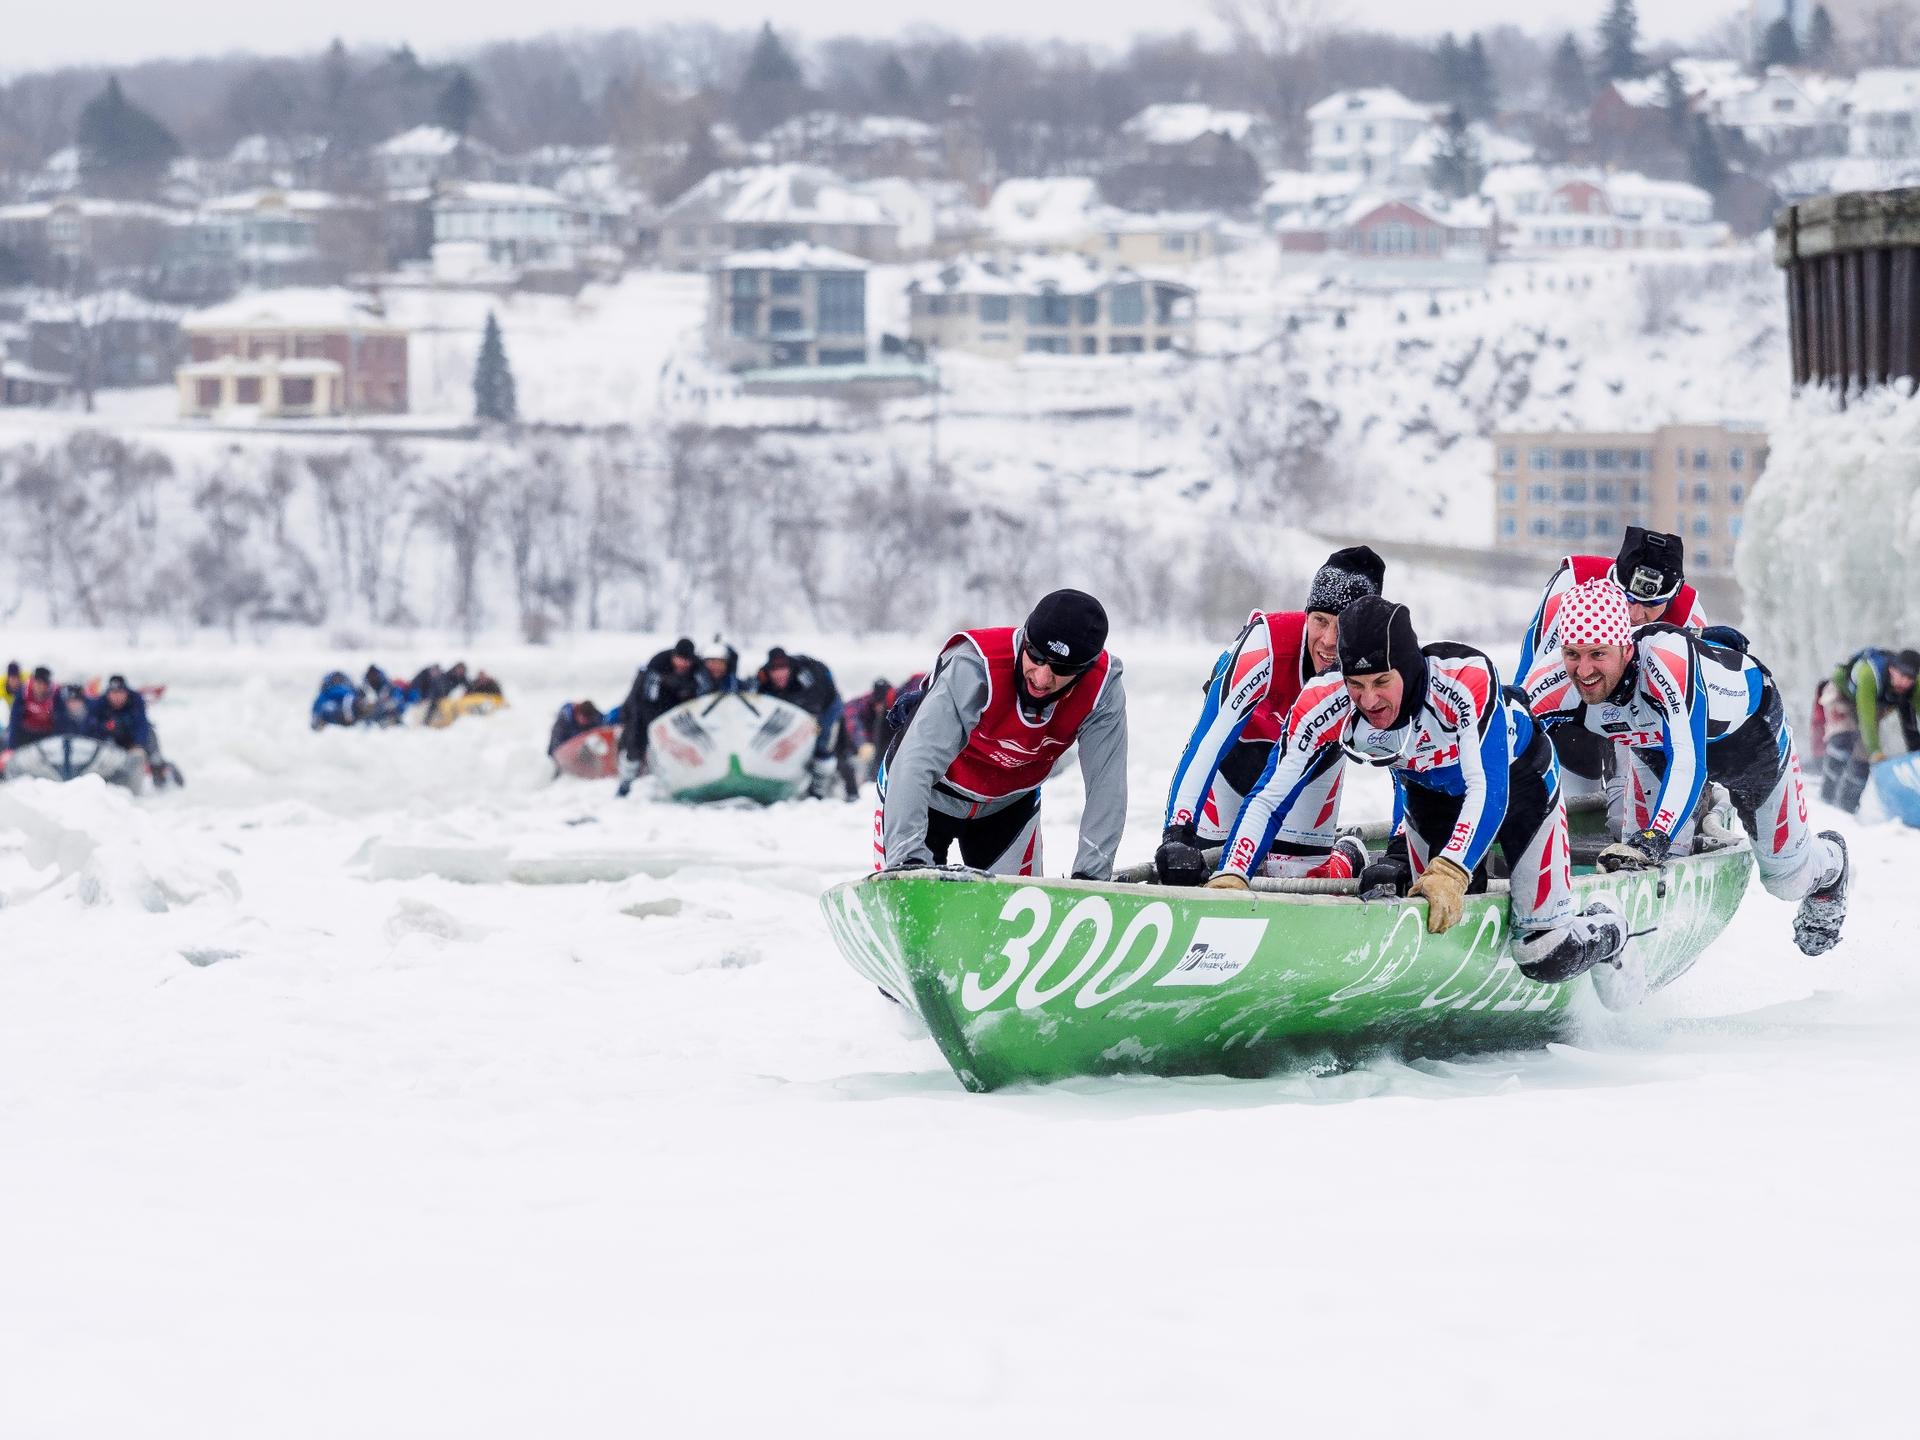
x=1532 y=838
x=1307 y=830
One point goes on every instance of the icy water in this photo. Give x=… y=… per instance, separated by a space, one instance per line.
x=376 y=1086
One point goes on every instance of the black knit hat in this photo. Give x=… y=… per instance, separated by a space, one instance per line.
x=1068 y=628
x=1651 y=566
x=1347 y=575
x=778 y=656
x=1907 y=662
x=1376 y=637
x=683 y=648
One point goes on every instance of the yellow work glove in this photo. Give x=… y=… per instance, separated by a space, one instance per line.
x=1876 y=757
x=1443 y=885
x=1227 y=880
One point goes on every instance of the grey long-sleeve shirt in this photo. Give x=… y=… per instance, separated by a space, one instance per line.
x=955 y=701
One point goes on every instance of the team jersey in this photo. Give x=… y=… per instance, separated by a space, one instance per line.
x=1680 y=696
x=1255 y=682
x=1462 y=741
x=1543 y=635
x=1006 y=753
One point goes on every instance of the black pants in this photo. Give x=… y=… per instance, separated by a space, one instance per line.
x=985 y=839
x=1581 y=751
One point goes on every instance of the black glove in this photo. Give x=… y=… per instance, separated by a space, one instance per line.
x=909 y=864
x=1642 y=850
x=1083 y=875
x=1178 y=861
x=1389 y=877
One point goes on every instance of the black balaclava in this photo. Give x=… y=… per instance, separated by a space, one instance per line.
x=1654 y=561
x=1069 y=627
x=1347 y=575
x=1376 y=636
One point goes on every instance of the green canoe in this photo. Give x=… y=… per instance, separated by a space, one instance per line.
x=1036 y=980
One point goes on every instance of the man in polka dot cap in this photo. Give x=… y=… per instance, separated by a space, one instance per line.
x=1686 y=709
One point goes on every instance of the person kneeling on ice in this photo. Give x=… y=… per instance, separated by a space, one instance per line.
x=672 y=677
x=1001 y=710
x=576 y=717
x=1254 y=684
x=1469 y=768
x=120 y=717
x=1867 y=688
x=1688 y=709
x=74 y=714
x=803 y=681
x=35 y=713
x=340 y=702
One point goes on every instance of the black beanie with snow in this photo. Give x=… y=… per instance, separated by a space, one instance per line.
x=1347 y=575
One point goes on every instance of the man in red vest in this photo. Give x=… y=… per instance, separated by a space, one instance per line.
x=1000 y=712
x=1254 y=684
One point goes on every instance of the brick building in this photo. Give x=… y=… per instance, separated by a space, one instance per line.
x=294 y=353
x=1562 y=492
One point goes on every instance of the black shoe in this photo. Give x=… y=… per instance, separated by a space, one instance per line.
x=1816 y=924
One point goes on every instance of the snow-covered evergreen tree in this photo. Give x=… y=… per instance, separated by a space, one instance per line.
x=493 y=397
x=123 y=149
x=1620 y=42
x=1567 y=78
x=1456 y=170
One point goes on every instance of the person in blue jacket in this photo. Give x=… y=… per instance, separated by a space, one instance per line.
x=119 y=716
x=74 y=714
x=340 y=702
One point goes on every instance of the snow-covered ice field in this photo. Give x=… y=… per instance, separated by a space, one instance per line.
x=374 y=1086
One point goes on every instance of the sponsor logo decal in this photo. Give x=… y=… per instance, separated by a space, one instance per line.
x=1220 y=949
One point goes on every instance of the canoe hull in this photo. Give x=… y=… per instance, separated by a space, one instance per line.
x=1032 y=981
x=590 y=755
x=1897 y=783
x=732 y=747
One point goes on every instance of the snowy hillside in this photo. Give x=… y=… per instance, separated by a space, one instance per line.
x=374 y=1086
x=654 y=484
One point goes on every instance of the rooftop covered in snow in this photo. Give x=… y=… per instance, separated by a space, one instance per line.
x=295 y=308
x=793 y=194
x=794 y=257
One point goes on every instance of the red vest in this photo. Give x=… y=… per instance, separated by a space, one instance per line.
x=36 y=714
x=1679 y=609
x=1287 y=630
x=1007 y=754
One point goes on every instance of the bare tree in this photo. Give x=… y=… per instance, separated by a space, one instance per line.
x=461 y=509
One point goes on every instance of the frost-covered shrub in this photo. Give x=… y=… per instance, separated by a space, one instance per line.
x=1827 y=559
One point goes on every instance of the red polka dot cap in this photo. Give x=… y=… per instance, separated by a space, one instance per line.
x=1595 y=613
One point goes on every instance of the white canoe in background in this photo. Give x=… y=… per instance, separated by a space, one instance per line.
x=722 y=747
x=68 y=757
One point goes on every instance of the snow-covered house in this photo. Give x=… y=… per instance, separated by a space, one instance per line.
x=796 y=305
x=269 y=236
x=766 y=207
x=1122 y=237
x=1367 y=132
x=1056 y=213
x=22 y=384
x=271 y=161
x=1787 y=113
x=866 y=146
x=1571 y=207
x=109 y=236
x=1189 y=156
x=105 y=340
x=419 y=157
x=1425 y=234
x=292 y=353
x=523 y=226
x=936 y=217
x=1047 y=304
x=1883 y=113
